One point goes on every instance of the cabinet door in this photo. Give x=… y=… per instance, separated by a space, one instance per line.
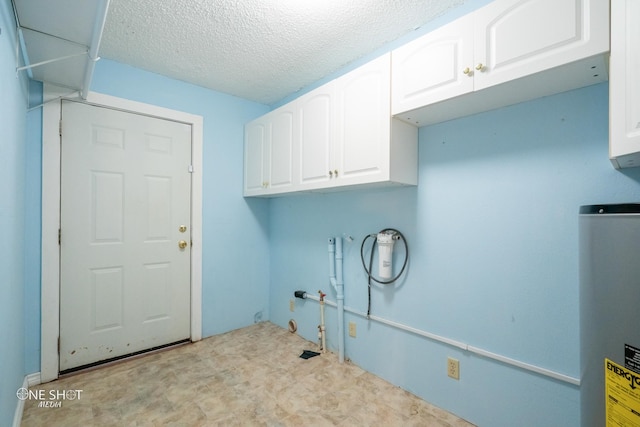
x=315 y=131
x=624 y=84
x=432 y=68
x=515 y=38
x=256 y=153
x=361 y=149
x=281 y=149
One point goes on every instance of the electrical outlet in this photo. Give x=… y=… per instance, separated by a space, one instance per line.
x=453 y=368
x=352 y=329
x=292 y=305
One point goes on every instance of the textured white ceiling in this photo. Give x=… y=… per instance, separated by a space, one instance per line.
x=262 y=50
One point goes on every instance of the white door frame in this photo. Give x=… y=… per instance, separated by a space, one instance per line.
x=50 y=292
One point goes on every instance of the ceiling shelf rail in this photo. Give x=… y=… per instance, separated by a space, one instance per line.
x=60 y=40
x=49 y=61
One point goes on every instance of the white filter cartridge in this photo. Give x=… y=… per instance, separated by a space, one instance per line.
x=385 y=254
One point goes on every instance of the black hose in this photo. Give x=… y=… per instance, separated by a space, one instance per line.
x=368 y=270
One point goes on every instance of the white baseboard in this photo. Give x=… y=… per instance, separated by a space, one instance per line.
x=29 y=381
x=33 y=379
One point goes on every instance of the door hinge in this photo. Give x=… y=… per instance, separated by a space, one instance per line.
x=190 y=168
x=59 y=236
x=58 y=345
x=60 y=127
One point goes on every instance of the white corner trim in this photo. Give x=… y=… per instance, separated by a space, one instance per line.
x=50 y=294
x=17 y=416
x=29 y=381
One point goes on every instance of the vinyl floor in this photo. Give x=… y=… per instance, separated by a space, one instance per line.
x=248 y=377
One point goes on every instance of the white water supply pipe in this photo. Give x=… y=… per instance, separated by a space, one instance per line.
x=337 y=282
x=321 y=329
x=340 y=298
x=332 y=262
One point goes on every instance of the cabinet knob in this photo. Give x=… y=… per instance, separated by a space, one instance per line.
x=330 y=174
x=480 y=67
x=467 y=71
x=335 y=173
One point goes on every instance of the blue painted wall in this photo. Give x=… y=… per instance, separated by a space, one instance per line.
x=13 y=106
x=492 y=230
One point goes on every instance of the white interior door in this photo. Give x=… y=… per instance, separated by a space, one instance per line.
x=125 y=206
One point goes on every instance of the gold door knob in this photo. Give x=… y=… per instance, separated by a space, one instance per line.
x=182 y=228
x=182 y=244
x=480 y=67
x=467 y=71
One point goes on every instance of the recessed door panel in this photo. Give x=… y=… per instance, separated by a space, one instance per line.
x=157 y=279
x=107 y=207
x=158 y=208
x=106 y=298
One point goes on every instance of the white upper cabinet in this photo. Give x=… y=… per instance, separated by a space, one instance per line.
x=315 y=114
x=268 y=153
x=347 y=137
x=282 y=146
x=370 y=146
x=624 y=84
x=431 y=68
x=506 y=52
x=256 y=157
x=516 y=38
x=363 y=117
x=343 y=136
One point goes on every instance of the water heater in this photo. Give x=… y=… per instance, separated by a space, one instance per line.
x=610 y=315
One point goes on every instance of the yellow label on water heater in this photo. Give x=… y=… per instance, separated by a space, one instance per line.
x=622 y=394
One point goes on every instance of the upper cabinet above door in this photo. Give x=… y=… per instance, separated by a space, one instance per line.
x=506 y=52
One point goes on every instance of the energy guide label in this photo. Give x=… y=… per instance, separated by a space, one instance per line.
x=622 y=388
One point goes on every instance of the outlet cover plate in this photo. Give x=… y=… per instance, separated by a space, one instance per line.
x=453 y=368
x=352 y=329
